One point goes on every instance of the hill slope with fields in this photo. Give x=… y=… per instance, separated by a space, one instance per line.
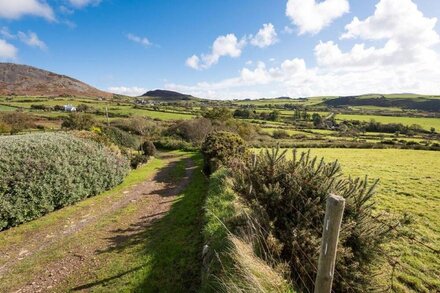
x=23 y=80
x=404 y=101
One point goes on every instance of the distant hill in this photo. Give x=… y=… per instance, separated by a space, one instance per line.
x=23 y=80
x=164 y=95
x=404 y=101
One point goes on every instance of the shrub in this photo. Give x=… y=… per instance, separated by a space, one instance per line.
x=171 y=144
x=15 y=122
x=121 y=138
x=43 y=172
x=288 y=198
x=194 y=130
x=137 y=160
x=139 y=126
x=280 y=134
x=218 y=113
x=220 y=147
x=230 y=263
x=79 y=121
x=148 y=148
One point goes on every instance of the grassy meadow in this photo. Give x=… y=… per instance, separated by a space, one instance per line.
x=409 y=184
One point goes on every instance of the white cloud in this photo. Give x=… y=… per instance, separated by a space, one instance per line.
x=312 y=17
x=140 y=40
x=265 y=37
x=409 y=39
x=408 y=61
x=31 y=39
x=328 y=54
x=15 y=9
x=7 y=51
x=288 y=30
x=193 y=62
x=4 y=32
x=228 y=45
x=128 y=91
x=83 y=3
x=398 y=20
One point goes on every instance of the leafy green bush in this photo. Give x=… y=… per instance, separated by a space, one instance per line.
x=288 y=199
x=221 y=146
x=137 y=160
x=43 y=172
x=79 y=121
x=121 y=137
x=171 y=144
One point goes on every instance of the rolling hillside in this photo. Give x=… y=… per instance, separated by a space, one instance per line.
x=23 y=80
x=404 y=101
x=167 y=96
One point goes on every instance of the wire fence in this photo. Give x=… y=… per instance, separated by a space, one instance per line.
x=393 y=259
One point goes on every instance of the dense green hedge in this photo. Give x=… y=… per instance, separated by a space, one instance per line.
x=43 y=172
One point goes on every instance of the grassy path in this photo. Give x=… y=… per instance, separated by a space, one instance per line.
x=141 y=236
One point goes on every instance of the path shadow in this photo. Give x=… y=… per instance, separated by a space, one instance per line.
x=169 y=245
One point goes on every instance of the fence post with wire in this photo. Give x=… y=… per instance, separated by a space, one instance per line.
x=330 y=234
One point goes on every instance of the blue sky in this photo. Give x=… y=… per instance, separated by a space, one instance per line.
x=133 y=46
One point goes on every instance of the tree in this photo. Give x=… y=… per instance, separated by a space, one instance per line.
x=317 y=119
x=274 y=115
x=218 y=113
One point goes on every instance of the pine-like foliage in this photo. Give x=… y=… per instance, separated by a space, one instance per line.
x=288 y=198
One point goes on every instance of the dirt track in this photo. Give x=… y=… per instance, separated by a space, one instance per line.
x=150 y=200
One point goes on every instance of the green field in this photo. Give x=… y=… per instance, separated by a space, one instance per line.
x=7 y=108
x=409 y=183
x=426 y=123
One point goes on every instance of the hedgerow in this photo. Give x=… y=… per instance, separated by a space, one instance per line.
x=43 y=172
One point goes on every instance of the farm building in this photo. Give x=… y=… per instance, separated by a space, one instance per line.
x=69 y=108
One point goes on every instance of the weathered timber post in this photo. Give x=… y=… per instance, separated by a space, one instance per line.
x=330 y=234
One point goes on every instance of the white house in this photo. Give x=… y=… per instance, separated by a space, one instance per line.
x=69 y=108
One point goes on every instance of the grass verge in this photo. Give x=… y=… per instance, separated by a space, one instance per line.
x=230 y=264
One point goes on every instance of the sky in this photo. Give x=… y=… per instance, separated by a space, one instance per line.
x=227 y=49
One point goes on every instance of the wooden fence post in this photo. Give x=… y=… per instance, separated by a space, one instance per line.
x=330 y=234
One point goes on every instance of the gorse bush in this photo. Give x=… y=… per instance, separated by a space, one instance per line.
x=43 y=172
x=288 y=199
x=220 y=147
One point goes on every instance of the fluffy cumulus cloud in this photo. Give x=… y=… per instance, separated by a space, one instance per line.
x=15 y=9
x=7 y=51
x=311 y=16
x=265 y=37
x=395 y=50
x=409 y=38
x=128 y=91
x=144 y=41
x=228 y=45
